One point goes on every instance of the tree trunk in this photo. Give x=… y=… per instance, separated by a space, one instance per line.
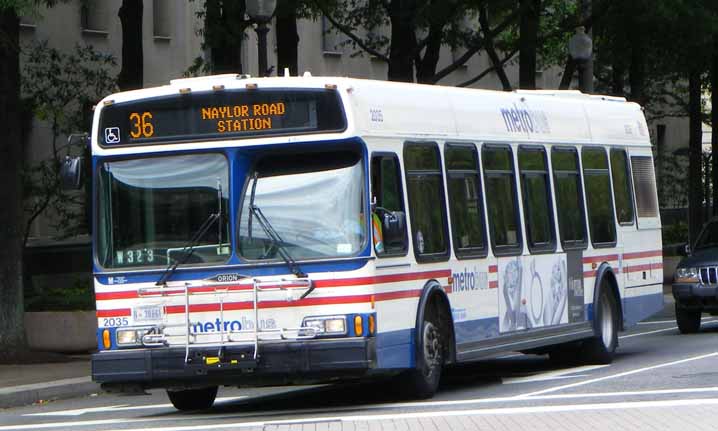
x=130 y=14
x=224 y=26
x=426 y=65
x=637 y=71
x=695 y=191
x=714 y=122
x=287 y=37
x=528 y=39
x=403 y=40
x=12 y=330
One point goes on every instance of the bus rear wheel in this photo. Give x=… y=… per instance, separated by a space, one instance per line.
x=423 y=381
x=600 y=348
x=193 y=399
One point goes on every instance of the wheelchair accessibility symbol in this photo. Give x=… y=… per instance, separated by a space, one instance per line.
x=112 y=135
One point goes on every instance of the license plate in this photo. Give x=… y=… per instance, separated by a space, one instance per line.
x=147 y=313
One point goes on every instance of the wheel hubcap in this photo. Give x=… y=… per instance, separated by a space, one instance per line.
x=606 y=323
x=432 y=348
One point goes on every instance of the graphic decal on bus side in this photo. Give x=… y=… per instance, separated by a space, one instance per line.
x=533 y=292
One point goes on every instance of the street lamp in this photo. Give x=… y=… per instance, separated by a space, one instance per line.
x=261 y=12
x=580 y=48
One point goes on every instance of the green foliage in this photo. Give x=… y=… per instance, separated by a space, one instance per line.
x=60 y=88
x=78 y=296
x=675 y=234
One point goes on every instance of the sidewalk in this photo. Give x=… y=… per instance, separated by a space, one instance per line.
x=29 y=383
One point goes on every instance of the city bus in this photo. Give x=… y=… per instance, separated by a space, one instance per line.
x=300 y=230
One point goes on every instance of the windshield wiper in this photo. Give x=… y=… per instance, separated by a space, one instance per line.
x=188 y=249
x=273 y=236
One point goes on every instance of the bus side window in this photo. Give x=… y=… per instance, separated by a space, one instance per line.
x=501 y=202
x=536 y=192
x=599 y=198
x=465 y=200
x=644 y=180
x=427 y=206
x=389 y=198
x=569 y=197
x=620 y=174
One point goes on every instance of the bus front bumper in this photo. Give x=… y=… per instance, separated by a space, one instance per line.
x=279 y=363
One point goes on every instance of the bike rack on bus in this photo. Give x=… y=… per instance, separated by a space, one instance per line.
x=290 y=286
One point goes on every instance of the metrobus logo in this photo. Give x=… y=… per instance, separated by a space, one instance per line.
x=231 y=325
x=521 y=120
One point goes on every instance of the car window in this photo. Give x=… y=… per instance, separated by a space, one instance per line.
x=709 y=237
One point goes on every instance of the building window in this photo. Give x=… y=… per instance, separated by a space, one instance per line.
x=161 y=23
x=93 y=16
x=333 y=40
x=598 y=197
x=502 y=203
x=427 y=208
x=536 y=192
x=465 y=200
x=622 y=186
x=569 y=197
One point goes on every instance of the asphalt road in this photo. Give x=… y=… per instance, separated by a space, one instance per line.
x=659 y=379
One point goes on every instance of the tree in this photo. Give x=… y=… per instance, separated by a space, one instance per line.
x=12 y=330
x=12 y=336
x=60 y=88
x=131 y=75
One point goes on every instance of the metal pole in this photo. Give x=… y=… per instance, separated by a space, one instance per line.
x=262 y=31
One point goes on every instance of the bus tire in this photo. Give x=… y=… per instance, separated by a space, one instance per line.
x=600 y=348
x=689 y=321
x=193 y=399
x=423 y=381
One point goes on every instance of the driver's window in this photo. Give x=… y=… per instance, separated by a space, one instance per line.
x=388 y=198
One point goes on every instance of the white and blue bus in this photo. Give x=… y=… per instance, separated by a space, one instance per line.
x=265 y=231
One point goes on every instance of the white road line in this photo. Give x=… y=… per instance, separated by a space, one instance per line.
x=614 y=376
x=573 y=408
x=551 y=375
x=662 y=330
x=122 y=407
x=655 y=322
x=447 y=403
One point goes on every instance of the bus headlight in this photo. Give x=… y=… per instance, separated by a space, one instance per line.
x=686 y=275
x=327 y=325
x=131 y=336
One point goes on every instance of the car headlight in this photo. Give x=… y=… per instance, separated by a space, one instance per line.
x=327 y=325
x=686 y=275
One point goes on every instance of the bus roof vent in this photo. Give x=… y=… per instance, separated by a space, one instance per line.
x=286 y=72
x=307 y=74
x=186 y=81
x=609 y=98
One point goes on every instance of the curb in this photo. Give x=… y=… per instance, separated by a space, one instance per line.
x=16 y=396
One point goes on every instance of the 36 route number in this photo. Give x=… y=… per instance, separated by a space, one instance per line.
x=141 y=125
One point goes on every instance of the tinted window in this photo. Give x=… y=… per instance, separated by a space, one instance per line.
x=621 y=187
x=598 y=196
x=465 y=200
x=644 y=180
x=387 y=190
x=426 y=201
x=502 y=206
x=537 y=198
x=569 y=197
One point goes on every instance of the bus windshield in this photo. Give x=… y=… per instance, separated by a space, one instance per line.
x=314 y=202
x=150 y=208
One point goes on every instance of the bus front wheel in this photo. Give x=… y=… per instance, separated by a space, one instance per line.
x=600 y=348
x=193 y=399
x=423 y=381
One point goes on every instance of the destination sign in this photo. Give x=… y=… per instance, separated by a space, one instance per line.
x=227 y=114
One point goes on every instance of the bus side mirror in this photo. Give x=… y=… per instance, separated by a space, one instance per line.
x=71 y=173
x=394 y=227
